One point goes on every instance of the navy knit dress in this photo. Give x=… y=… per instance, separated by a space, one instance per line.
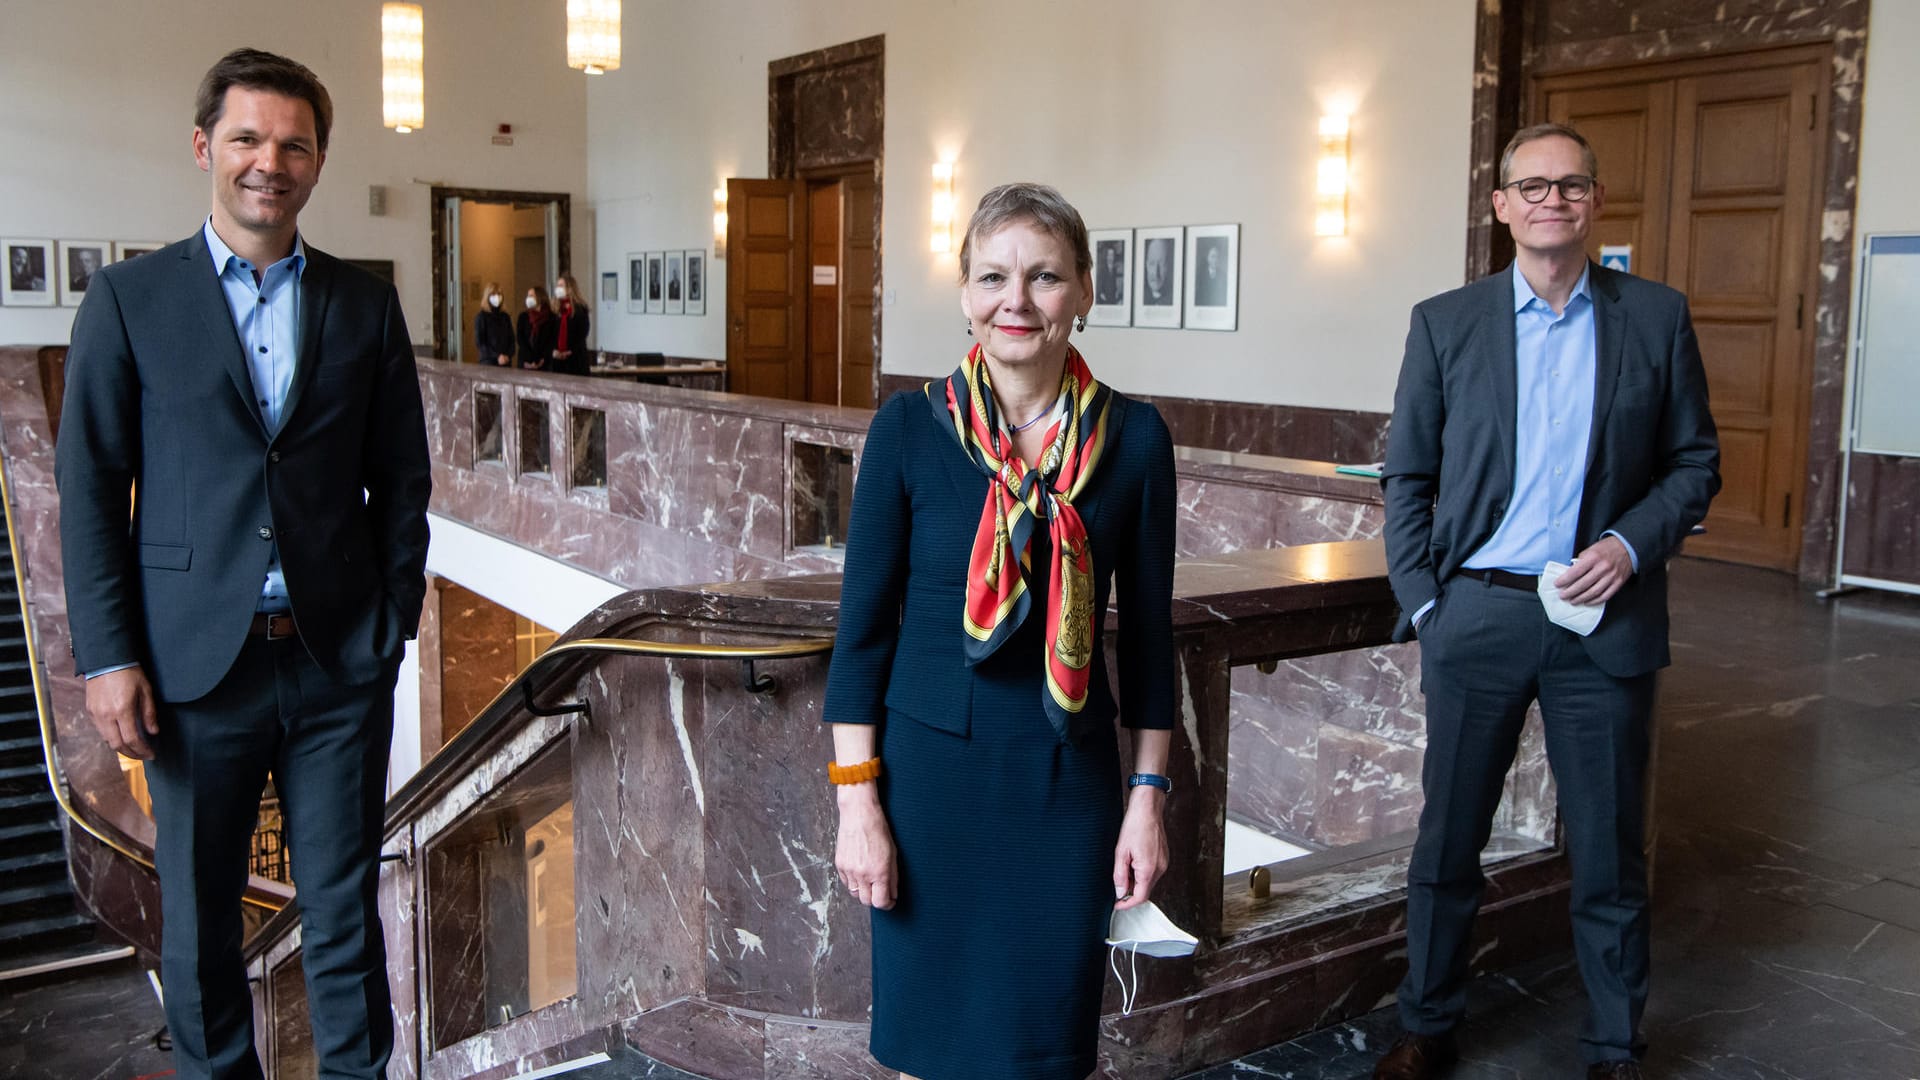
x=991 y=962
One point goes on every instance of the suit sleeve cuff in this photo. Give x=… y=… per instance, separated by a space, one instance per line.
x=1632 y=555
x=1426 y=607
x=110 y=670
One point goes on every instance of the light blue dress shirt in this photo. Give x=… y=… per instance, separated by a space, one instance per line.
x=266 y=315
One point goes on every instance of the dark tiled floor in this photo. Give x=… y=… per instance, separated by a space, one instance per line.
x=1787 y=896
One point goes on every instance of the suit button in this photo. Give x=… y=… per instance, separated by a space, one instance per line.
x=266 y=533
x=273 y=456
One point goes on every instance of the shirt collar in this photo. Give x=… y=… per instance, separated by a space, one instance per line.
x=222 y=254
x=1523 y=293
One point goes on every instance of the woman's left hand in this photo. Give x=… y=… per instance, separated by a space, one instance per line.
x=1141 y=856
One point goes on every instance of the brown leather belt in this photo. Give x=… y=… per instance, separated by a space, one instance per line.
x=276 y=627
x=1504 y=578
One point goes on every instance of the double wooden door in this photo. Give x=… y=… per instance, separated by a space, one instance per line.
x=1712 y=171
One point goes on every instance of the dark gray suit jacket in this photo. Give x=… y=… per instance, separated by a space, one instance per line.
x=1653 y=458
x=159 y=402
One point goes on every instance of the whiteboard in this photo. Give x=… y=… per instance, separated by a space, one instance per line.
x=1886 y=377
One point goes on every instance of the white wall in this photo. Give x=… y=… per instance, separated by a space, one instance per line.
x=1142 y=113
x=94 y=135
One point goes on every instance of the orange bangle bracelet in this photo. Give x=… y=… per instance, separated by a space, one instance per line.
x=853 y=774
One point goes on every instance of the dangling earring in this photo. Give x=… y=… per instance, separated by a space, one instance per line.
x=969 y=329
x=1080 y=322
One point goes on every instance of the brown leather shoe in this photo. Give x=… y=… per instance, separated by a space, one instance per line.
x=1616 y=1070
x=1417 y=1057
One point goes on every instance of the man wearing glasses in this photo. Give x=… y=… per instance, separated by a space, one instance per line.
x=1550 y=420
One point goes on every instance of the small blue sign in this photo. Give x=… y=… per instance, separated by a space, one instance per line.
x=1617 y=257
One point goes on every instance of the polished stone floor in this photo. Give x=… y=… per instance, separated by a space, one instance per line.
x=1787 y=892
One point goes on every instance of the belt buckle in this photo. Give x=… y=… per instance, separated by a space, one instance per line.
x=280 y=627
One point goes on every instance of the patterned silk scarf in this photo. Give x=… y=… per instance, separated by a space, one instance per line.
x=997 y=597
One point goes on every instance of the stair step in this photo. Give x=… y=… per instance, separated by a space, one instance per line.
x=51 y=897
x=46 y=926
x=15 y=838
x=13 y=744
x=22 y=778
x=29 y=801
x=10 y=864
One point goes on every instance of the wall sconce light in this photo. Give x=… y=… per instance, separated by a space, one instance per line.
x=593 y=35
x=942 y=207
x=403 y=80
x=720 y=222
x=1330 y=193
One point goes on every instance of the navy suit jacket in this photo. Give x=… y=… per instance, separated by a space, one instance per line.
x=159 y=402
x=1653 y=458
x=899 y=645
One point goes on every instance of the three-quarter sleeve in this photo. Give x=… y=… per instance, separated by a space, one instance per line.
x=873 y=583
x=1143 y=579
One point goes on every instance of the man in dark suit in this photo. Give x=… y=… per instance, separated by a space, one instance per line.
x=1552 y=414
x=246 y=615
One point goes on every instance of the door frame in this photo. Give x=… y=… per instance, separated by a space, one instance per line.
x=559 y=202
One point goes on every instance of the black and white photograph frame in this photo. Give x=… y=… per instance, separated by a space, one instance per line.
x=676 y=282
x=1112 y=277
x=697 y=281
x=1156 y=282
x=609 y=286
x=28 y=280
x=636 y=282
x=129 y=249
x=656 y=288
x=1213 y=277
x=80 y=260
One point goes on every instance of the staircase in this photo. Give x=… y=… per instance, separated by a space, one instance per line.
x=39 y=921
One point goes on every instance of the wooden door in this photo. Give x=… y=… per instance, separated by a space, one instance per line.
x=859 y=280
x=823 y=292
x=765 y=319
x=1714 y=165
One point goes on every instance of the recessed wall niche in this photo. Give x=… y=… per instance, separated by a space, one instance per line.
x=587 y=448
x=536 y=445
x=489 y=434
x=820 y=495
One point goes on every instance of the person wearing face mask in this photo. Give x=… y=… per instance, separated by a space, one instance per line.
x=986 y=817
x=536 y=330
x=493 y=330
x=570 y=355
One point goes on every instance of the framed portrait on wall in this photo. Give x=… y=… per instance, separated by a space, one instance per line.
x=28 y=281
x=1156 y=284
x=1112 y=285
x=636 y=282
x=676 y=282
x=127 y=249
x=79 y=261
x=1213 y=277
x=656 y=283
x=609 y=286
x=697 y=282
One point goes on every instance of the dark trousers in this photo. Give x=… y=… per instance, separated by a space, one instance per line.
x=1487 y=652
x=326 y=747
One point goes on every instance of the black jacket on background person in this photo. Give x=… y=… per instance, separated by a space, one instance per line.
x=536 y=346
x=578 y=320
x=493 y=335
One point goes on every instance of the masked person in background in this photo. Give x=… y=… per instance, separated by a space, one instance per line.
x=493 y=329
x=536 y=330
x=982 y=812
x=570 y=355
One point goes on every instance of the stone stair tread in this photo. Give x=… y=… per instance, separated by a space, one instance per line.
x=12 y=863
x=47 y=826
x=44 y=890
x=27 y=801
x=49 y=924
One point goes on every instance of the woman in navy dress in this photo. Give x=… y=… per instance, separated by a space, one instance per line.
x=985 y=816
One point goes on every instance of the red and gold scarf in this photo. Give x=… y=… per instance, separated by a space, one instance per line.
x=1017 y=496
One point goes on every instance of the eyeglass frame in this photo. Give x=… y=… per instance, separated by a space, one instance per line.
x=1592 y=182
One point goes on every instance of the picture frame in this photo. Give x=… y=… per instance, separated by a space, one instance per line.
x=28 y=277
x=128 y=249
x=79 y=261
x=609 y=286
x=697 y=281
x=676 y=282
x=1213 y=277
x=636 y=282
x=656 y=283
x=1157 y=293
x=1112 y=277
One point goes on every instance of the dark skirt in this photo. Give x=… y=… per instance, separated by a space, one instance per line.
x=992 y=962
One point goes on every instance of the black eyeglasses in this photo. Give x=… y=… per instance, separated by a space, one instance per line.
x=1572 y=188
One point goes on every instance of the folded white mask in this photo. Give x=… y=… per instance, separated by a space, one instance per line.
x=1143 y=929
x=1579 y=618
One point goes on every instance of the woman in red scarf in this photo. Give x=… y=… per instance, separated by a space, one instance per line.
x=536 y=330
x=570 y=355
x=984 y=810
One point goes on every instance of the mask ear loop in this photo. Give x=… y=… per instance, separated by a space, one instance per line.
x=1127 y=995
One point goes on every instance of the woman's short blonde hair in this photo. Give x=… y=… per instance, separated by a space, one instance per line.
x=1038 y=203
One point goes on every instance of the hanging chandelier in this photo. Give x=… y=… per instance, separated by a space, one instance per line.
x=593 y=35
x=403 y=81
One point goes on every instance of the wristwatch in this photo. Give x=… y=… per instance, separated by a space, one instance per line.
x=1150 y=780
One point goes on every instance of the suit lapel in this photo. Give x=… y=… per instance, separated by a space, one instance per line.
x=1610 y=332
x=316 y=289
x=210 y=303
x=1504 y=368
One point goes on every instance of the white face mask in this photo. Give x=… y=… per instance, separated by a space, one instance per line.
x=559 y=292
x=1143 y=929
x=532 y=303
x=494 y=299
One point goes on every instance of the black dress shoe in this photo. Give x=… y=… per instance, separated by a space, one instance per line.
x=1616 y=1070
x=1417 y=1057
